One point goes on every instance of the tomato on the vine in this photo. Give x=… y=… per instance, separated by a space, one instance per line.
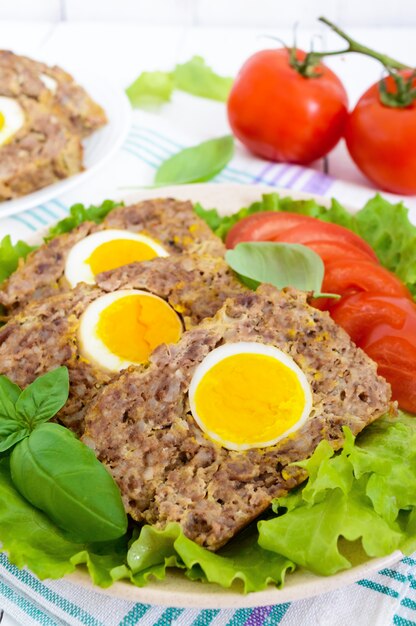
x=283 y=111
x=381 y=137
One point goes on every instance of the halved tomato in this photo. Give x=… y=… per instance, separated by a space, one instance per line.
x=346 y=277
x=264 y=226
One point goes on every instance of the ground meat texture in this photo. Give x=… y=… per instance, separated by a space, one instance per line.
x=21 y=76
x=44 y=334
x=41 y=153
x=172 y=222
x=141 y=428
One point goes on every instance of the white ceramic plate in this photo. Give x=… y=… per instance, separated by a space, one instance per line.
x=176 y=589
x=98 y=148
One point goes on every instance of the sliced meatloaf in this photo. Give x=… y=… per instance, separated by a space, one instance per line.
x=41 y=153
x=172 y=222
x=141 y=428
x=44 y=334
x=52 y=86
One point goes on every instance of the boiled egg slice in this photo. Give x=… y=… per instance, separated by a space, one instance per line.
x=12 y=119
x=249 y=395
x=124 y=327
x=106 y=250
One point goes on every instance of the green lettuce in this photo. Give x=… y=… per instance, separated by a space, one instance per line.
x=367 y=493
x=241 y=559
x=194 y=77
x=79 y=213
x=10 y=254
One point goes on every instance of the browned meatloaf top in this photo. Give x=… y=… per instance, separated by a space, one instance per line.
x=21 y=76
x=172 y=222
x=141 y=428
x=44 y=334
x=42 y=152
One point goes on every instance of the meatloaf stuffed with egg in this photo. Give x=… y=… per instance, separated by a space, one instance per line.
x=206 y=434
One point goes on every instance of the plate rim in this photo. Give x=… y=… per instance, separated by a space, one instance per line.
x=211 y=595
x=57 y=189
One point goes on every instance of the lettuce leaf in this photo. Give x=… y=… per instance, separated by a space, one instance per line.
x=194 y=77
x=79 y=213
x=365 y=493
x=10 y=254
x=242 y=559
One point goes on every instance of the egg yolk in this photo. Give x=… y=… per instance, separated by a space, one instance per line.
x=132 y=327
x=118 y=252
x=249 y=399
x=2 y=120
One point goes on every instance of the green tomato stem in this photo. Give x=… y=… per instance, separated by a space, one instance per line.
x=354 y=46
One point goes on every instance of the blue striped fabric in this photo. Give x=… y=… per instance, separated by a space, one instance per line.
x=36 y=602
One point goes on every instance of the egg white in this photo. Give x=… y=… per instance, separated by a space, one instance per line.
x=14 y=118
x=92 y=347
x=77 y=269
x=244 y=347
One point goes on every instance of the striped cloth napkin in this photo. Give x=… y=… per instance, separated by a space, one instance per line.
x=388 y=597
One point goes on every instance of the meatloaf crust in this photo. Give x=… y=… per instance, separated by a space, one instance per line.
x=21 y=76
x=172 y=222
x=44 y=334
x=141 y=428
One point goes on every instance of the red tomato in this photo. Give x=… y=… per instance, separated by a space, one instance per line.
x=382 y=140
x=292 y=228
x=281 y=115
x=385 y=328
x=345 y=278
x=396 y=361
x=324 y=231
x=364 y=313
x=334 y=250
x=264 y=226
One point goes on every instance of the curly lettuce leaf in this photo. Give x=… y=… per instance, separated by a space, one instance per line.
x=242 y=559
x=10 y=254
x=78 y=213
x=31 y=539
x=365 y=493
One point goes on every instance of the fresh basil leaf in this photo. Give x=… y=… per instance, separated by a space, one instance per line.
x=61 y=476
x=11 y=435
x=78 y=214
x=9 y=394
x=196 y=164
x=197 y=78
x=280 y=264
x=150 y=88
x=43 y=398
x=10 y=254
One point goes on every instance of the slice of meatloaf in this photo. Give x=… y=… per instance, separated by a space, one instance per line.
x=141 y=428
x=172 y=222
x=44 y=334
x=41 y=153
x=21 y=76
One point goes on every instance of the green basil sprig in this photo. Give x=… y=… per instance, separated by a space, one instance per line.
x=279 y=264
x=52 y=469
x=196 y=164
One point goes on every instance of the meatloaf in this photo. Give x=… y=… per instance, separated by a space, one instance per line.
x=172 y=222
x=141 y=428
x=44 y=334
x=42 y=152
x=51 y=86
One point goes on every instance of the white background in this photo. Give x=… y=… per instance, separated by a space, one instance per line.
x=270 y=13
